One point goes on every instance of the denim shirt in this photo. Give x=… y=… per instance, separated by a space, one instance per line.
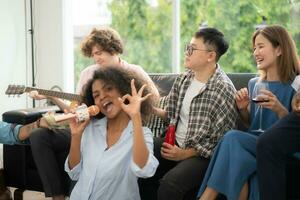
x=9 y=133
x=109 y=174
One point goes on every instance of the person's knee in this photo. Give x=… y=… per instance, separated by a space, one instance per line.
x=168 y=188
x=231 y=137
x=170 y=183
x=38 y=135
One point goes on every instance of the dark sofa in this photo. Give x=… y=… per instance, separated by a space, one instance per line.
x=20 y=170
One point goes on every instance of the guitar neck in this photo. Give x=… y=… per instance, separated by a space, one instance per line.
x=58 y=94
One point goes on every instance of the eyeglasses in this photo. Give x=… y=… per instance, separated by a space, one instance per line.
x=189 y=49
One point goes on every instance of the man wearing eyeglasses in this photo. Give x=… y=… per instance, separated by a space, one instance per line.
x=202 y=107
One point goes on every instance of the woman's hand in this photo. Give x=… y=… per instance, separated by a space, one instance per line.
x=242 y=99
x=296 y=103
x=271 y=102
x=134 y=100
x=77 y=127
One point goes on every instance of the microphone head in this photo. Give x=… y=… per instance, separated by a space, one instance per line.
x=93 y=110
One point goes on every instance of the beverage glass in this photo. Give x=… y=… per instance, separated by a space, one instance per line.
x=259 y=97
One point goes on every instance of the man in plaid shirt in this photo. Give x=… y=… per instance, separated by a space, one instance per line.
x=202 y=107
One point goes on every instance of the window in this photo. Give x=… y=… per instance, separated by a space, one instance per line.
x=238 y=20
x=146 y=27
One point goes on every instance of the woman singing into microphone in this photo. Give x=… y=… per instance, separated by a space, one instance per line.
x=107 y=155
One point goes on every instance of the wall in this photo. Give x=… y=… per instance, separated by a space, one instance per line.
x=13 y=62
x=52 y=45
x=54 y=59
x=52 y=48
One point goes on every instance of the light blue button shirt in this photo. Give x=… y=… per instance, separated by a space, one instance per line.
x=9 y=133
x=109 y=174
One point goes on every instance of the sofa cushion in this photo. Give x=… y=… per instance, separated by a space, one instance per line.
x=240 y=80
x=163 y=82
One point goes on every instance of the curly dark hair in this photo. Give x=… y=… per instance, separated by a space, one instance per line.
x=120 y=79
x=107 y=39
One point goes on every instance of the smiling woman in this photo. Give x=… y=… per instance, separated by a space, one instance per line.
x=118 y=140
x=275 y=55
x=118 y=80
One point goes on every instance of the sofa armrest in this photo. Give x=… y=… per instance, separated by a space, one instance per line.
x=17 y=159
x=26 y=116
x=14 y=164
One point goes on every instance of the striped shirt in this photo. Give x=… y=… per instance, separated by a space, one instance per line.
x=212 y=112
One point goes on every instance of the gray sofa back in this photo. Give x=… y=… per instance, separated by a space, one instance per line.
x=165 y=81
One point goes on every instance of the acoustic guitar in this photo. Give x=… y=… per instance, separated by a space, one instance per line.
x=20 y=89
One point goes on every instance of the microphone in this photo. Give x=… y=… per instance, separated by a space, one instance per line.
x=81 y=113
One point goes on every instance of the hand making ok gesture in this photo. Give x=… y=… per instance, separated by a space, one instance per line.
x=131 y=104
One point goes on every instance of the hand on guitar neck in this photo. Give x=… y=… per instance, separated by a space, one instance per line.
x=34 y=94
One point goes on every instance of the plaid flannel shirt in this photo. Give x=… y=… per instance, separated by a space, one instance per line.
x=212 y=112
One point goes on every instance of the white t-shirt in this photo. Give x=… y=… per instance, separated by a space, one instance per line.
x=193 y=90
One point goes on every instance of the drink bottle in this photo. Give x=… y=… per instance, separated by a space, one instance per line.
x=170 y=135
